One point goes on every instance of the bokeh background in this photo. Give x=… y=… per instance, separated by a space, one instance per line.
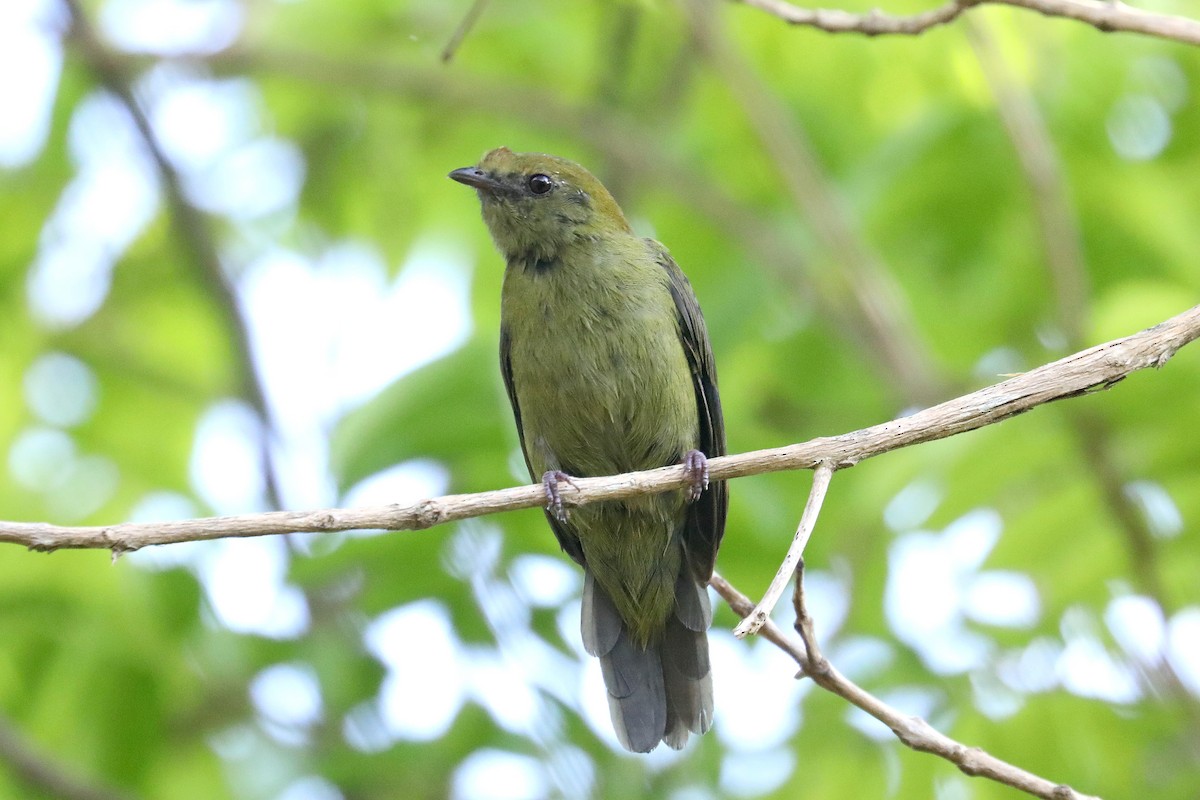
x=234 y=277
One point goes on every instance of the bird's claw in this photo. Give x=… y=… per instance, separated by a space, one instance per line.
x=554 y=503
x=695 y=469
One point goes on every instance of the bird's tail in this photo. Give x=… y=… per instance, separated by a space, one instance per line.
x=660 y=692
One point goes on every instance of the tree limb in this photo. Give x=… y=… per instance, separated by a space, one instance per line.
x=1089 y=370
x=913 y=731
x=1100 y=14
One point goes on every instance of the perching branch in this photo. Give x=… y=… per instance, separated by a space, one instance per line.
x=912 y=731
x=1089 y=370
x=1104 y=15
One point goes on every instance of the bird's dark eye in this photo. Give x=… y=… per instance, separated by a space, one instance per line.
x=540 y=184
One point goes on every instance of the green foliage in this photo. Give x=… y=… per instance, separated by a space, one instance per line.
x=129 y=676
x=391 y=428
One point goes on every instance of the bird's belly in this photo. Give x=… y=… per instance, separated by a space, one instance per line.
x=621 y=405
x=622 y=402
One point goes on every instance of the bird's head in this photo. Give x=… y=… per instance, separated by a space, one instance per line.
x=536 y=205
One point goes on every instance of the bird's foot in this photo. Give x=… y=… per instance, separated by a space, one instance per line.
x=695 y=469
x=554 y=503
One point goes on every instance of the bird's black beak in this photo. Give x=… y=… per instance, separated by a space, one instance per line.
x=474 y=176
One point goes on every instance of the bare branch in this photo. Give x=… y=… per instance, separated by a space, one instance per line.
x=1112 y=15
x=1101 y=14
x=912 y=731
x=793 y=561
x=817 y=665
x=873 y=23
x=743 y=605
x=1089 y=370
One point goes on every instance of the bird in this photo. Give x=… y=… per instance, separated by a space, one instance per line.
x=607 y=364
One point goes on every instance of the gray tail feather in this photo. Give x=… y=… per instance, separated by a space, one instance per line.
x=661 y=692
x=687 y=673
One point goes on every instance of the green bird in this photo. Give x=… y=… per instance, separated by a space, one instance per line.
x=608 y=368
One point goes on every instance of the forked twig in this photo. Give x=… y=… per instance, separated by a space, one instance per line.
x=913 y=731
x=794 y=559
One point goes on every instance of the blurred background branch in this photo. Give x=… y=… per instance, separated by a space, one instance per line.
x=847 y=274
x=194 y=232
x=1103 y=16
x=42 y=774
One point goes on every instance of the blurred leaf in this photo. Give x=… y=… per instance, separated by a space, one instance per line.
x=448 y=410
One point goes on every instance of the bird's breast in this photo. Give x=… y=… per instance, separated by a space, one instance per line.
x=599 y=372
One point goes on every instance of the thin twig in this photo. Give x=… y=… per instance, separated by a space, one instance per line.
x=1087 y=371
x=794 y=560
x=1108 y=16
x=743 y=605
x=913 y=731
x=817 y=665
x=468 y=22
x=1104 y=15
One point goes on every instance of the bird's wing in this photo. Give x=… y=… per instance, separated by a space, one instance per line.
x=566 y=538
x=706 y=517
